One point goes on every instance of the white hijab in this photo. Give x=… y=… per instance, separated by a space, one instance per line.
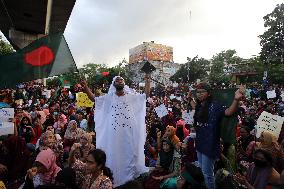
x=126 y=89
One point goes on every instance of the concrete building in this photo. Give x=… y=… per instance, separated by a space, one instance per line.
x=160 y=56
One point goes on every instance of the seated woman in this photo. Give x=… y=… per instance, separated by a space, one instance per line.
x=72 y=135
x=191 y=178
x=96 y=174
x=260 y=173
x=49 y=141
x=26 y=130
x=268 y=142
x=44 y=172
x=168 y=167
x=85 y=145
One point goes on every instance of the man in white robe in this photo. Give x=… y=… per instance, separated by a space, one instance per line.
x=120 y=130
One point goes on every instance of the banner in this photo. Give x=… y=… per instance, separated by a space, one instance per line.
x=269 y=122
x=161 y=111
x=83 y=100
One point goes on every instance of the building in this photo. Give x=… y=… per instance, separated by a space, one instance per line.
x=160 y=56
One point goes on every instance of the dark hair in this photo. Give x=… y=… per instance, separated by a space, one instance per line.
x=100 y=158
x=132 y=185
x=67 y=176
x=267 y=155
x=22 y=121
x=196 y=174
x=202 y=112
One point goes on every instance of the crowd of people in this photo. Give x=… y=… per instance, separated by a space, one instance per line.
x=54 y=140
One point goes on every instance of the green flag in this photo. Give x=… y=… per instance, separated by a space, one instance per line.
x=228 y=124
x=47 y=56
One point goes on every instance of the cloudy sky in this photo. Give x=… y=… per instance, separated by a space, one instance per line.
x=103 y=31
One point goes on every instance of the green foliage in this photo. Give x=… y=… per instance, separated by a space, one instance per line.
x=92 y=73
x=194 y=69
x=5 y=47
x=272 y=40
x=221 y=66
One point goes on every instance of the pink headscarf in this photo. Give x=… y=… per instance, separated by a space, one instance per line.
x=48 y=159
x=185 y=130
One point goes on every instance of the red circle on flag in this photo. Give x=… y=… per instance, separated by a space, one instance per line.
x=39 y=57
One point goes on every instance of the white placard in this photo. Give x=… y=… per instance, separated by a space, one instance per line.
x=188 y=117
x=269 y=122
x=178 y=98
x=6 y=114
x=271 y=94
x=6 y=128
x=161 y=111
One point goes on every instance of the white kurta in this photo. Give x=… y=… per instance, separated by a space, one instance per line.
x=121 y=133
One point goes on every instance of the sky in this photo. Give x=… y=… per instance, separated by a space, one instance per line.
x=103 y=31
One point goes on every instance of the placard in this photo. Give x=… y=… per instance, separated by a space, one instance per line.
x=271 y=94
x=161 y=111
x=269 y=122
x=6 y=128
x=6 y=114
x=188 y=116
x=83 y=100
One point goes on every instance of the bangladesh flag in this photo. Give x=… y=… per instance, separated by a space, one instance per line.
x=228 y=124
x=45 y=57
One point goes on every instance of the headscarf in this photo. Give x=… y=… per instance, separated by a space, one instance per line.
x=112 y=89
x=73 y=134
x=269 y=142
x=185 y=130
x=173 y=137
x=48 y=159
x=166 y=158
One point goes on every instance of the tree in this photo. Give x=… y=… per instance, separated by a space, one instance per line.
x=5 y=47
x=194 y=69
x=222 y=65
x=272 y=40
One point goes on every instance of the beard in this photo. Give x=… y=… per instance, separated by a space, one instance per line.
x=119 y=87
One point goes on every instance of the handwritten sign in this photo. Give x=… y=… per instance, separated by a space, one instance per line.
x=83 y=100
x=271 y=94
x=6 y=128
x=6 y=114
x=161 y=111
x=188 y=116
x=269 y=122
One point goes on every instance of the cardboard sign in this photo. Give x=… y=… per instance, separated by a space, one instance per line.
x=188 y=117
x=6 y=114
x=269 y=122
x=161 y=111
x=271 y=94
x=83 y=100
